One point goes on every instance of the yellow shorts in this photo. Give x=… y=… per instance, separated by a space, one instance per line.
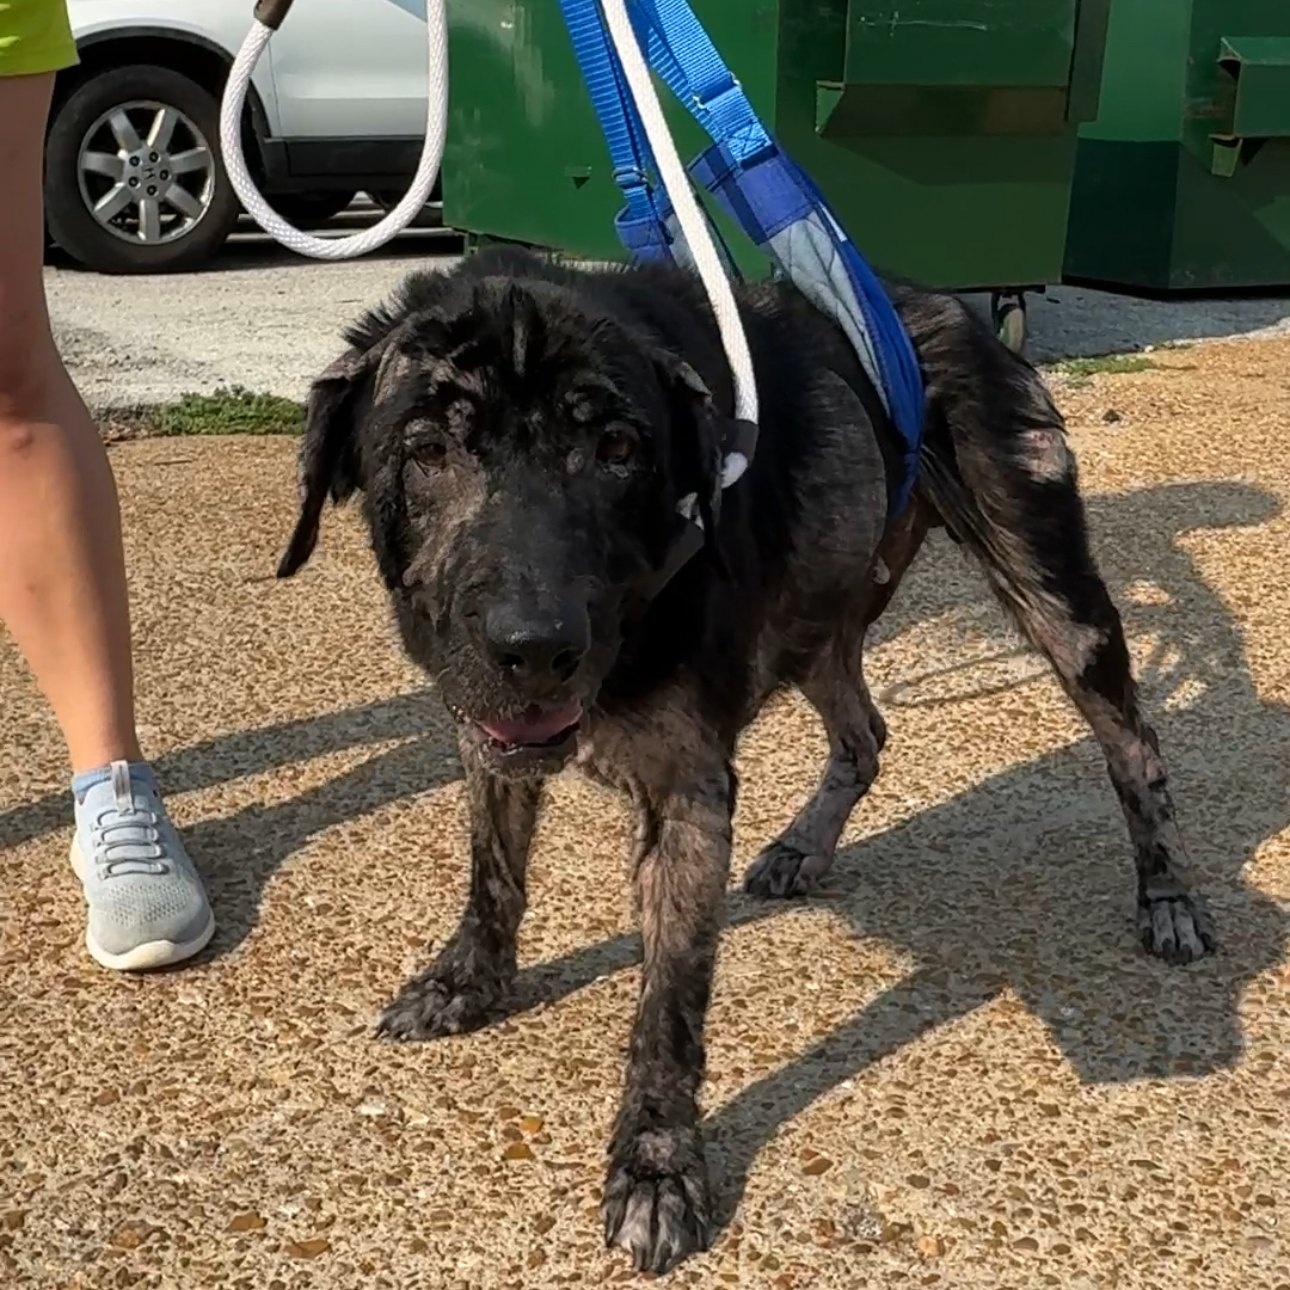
x=35 y=36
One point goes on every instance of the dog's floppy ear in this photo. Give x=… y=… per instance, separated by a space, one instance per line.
x=328 y=452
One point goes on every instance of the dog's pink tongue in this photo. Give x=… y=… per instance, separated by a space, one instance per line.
x=535 y=726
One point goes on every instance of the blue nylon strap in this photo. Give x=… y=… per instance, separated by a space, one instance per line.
x=902 y=376
x=682 y=53
x=647 y=227
x=771 y=196
x=763 y=199
x=629 y=150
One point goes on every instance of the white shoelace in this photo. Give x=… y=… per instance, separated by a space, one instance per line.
x=126 y=837
x=127 y=842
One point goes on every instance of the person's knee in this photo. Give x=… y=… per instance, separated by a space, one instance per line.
x=26 y=422
x=19 y=441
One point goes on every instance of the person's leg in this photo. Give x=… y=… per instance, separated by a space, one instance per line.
x=63 y=589
x=62 y=573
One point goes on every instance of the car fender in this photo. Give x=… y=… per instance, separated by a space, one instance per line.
x=212 y=25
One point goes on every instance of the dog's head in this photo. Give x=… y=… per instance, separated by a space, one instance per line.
x=521 y=455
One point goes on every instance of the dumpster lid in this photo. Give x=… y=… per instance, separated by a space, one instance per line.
x=1261 y=68
x=1260 y=51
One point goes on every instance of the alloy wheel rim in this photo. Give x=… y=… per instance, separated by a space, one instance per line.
x=146 y=172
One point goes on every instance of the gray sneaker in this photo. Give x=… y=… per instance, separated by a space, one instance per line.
x=147 y=906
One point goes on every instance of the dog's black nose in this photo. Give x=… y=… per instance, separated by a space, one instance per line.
x=537 y=646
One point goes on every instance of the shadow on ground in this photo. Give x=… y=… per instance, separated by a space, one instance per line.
x=249 y=248
x=237 y=876
x=1070 y=321
x=1040 y=902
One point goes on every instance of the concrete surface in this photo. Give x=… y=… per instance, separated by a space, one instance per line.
x=270 y=321
x=261 y=317
x=953 y=1068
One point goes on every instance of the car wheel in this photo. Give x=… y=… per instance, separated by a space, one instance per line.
x=134 y=180
x=305 y=209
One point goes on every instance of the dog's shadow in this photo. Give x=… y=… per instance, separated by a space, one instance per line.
x=1041 y=901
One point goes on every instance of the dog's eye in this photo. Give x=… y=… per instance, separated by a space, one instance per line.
x=617 y=446
x=430 y=454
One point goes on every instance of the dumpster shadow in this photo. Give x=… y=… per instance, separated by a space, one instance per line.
x=1039 y=899
x=1068 y=321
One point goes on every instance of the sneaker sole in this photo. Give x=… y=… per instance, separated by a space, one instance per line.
x=151 y=954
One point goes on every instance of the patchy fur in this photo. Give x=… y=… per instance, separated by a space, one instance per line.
x=521 y=433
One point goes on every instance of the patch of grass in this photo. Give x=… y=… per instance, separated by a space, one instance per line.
x=227 y=411
x=1106 y=364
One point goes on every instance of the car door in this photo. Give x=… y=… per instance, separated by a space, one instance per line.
x=347 y=69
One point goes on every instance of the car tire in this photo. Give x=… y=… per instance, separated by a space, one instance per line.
x=142 y=144
x=430 y=215
x=304 y=210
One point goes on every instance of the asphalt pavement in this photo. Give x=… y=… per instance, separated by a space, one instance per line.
x=263 y=318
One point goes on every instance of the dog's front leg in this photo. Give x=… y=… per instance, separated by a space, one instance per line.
x=656 y=1202
x=474 y=970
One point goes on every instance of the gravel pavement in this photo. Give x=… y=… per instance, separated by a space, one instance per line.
x=267 y=320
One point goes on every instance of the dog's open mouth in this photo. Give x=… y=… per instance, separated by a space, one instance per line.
x=542 y=732
x=538 y=726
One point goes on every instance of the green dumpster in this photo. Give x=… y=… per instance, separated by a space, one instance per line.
x=1183 y=180
x=942 y=131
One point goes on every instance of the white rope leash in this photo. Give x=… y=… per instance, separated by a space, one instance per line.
x=338 y=248
x=707 y=260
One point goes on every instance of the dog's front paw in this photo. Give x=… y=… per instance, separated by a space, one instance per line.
x=656 y=1204
x=783 y=871
x=1176 y=927
x=442 y=1000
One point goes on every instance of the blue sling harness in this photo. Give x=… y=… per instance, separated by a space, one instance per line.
x=768 y=196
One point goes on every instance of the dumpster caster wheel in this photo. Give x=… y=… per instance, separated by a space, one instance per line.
x=1008 y=314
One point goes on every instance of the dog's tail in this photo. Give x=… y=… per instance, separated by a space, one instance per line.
x=995 y=465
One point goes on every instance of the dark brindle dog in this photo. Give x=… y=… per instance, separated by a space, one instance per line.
x=522 y=433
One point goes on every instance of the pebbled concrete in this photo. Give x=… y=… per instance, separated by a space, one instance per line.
x=953 y=1068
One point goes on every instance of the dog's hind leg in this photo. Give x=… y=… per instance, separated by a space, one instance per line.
x=1006 y=485
x=1081 y=633
x=803 y=853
